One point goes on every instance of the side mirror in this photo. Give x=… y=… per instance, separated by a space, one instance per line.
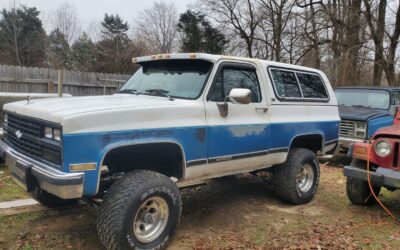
x=238 y=96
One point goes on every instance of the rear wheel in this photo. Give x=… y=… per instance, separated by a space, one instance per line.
x=358 y=190
x=140 y=211
x=296 y=181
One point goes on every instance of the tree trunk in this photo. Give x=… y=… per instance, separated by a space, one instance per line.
x=390 y=61
x=353 y=43
x=377 y=34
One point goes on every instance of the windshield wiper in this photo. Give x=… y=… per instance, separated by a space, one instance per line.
x=361 y=106
x=129 y=91
x=159 y=92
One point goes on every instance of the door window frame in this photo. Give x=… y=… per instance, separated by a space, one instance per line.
x=235 y=65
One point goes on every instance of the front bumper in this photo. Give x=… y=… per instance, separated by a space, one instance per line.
x=382 y=176
x=345 y=142
x=28 y=172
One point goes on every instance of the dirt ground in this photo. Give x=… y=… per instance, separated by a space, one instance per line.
x=238 y=213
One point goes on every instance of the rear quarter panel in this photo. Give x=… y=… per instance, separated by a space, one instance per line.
x=293 y=118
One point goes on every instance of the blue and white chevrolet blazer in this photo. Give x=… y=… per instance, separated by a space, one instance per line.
x=180 y=117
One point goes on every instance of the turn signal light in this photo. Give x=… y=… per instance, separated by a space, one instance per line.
x=82 y=167
x=360 y=150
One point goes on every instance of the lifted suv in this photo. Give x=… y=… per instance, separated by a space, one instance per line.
x=180 y=117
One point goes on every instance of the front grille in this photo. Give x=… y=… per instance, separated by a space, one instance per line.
x=347 y=129
x=30 y=141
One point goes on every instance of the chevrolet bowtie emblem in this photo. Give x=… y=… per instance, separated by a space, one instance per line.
x=18 y=134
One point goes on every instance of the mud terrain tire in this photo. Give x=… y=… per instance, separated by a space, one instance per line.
x=118 y=222
x=300 y=163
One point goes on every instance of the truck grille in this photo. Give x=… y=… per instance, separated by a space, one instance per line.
x=31 y=142
x=347 y=129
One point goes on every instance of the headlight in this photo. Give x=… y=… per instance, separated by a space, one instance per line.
x=48 y=132
x=52 y=133
x=56 y=134
x=5 y=118
x=361 y=130
x=383 y=148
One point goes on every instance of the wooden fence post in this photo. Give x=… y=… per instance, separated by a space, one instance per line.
x=50 y=87
x=60 y=82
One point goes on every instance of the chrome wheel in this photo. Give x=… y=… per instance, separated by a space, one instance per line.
x=305 y=178
x=151 y=219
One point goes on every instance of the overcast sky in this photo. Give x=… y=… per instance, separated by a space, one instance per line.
x=94 y=10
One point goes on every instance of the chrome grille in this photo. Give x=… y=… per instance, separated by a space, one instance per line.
x=31 y=142
x=347 y=129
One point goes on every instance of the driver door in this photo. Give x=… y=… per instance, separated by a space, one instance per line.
x=239 y=140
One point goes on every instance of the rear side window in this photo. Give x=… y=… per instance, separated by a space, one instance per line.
x=298 y=85
x=396 y=96
x=312 y=86
x=285 y=83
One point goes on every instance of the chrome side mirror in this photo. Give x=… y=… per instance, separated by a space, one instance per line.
x=238 y=96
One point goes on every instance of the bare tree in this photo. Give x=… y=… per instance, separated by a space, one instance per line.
x=393 y=44
x=14 y=28
x=242 y=17
x=276 y=15
x=379 y=30
x=158 y=26
x=65 y=19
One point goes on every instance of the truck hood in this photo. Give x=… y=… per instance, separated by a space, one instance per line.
x=55 y=109
x=391 y=131
x=361 y=114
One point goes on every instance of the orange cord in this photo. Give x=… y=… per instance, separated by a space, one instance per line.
x=373 y=193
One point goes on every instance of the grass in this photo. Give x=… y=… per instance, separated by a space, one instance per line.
x=8 y=189
x=239 y=214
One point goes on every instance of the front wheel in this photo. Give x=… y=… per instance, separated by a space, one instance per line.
x=357 y=190
x=296 y=181
x=140 y=211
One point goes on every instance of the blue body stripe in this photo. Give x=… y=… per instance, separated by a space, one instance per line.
x=197 y=142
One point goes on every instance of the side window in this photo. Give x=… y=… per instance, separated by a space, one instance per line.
x=396 y=97
x=285 y=83
x=312 y=86
x=235 y=77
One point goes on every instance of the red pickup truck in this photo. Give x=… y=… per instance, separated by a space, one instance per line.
x=382 y=152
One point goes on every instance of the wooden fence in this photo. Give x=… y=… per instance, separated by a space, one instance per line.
x=43 y=80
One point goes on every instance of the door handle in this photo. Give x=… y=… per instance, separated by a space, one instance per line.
x=262 y=109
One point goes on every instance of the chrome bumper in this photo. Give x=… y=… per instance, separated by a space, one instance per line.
x=28 y=172
x=345 y=143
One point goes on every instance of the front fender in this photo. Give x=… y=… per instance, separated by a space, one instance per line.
x=92 y=147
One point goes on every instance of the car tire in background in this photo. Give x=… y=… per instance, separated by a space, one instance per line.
x=358 y=190
x=296 y=180
x=139 y=211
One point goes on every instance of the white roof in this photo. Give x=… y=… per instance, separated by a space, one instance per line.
x=216 y=58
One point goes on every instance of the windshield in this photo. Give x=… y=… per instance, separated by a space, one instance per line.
x=369 y=98
x=172 y=78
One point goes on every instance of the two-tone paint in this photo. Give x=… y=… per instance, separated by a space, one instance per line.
x=251 y=137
